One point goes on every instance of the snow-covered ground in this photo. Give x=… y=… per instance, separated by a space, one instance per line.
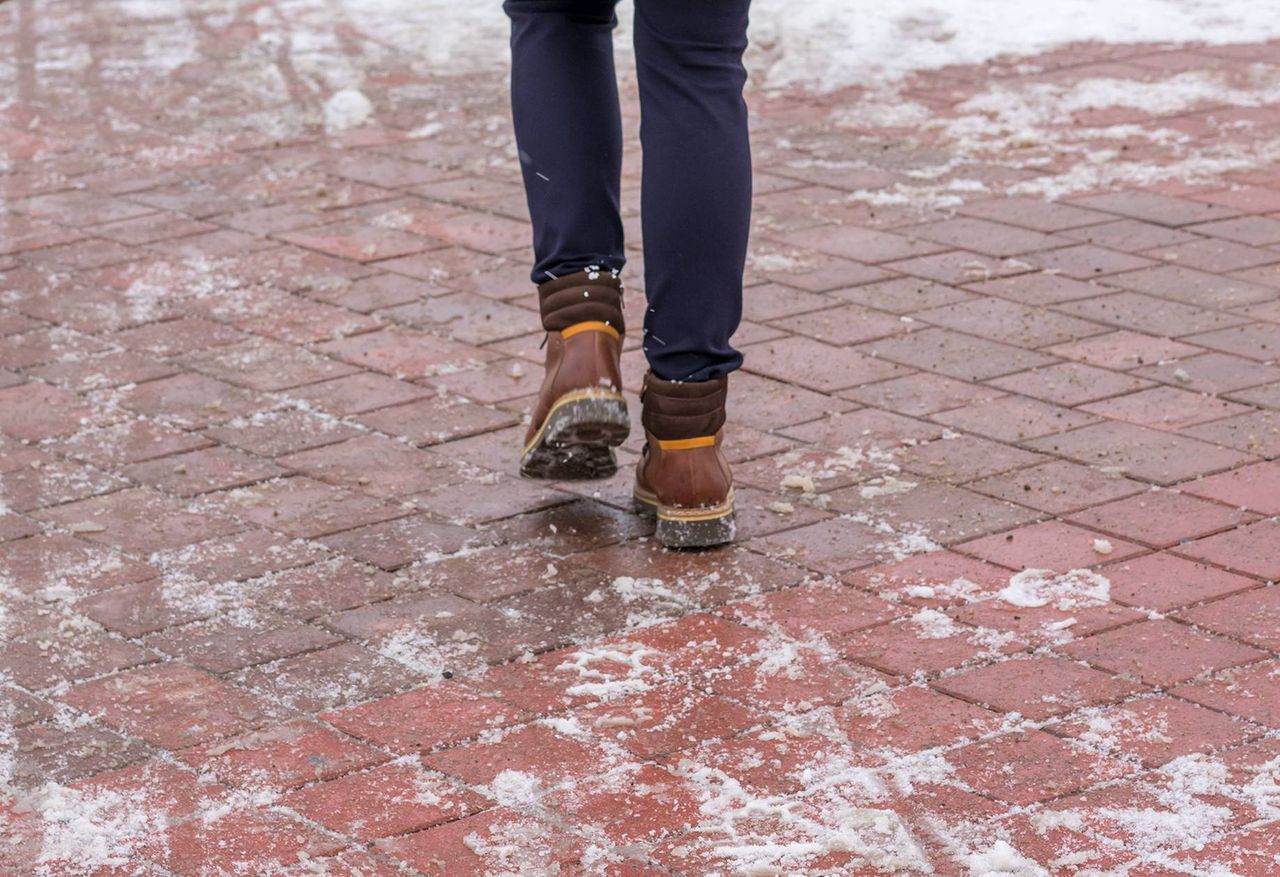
x=829 y=44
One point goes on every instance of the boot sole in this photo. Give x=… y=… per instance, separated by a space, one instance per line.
x=688 y=528
x=576 y=440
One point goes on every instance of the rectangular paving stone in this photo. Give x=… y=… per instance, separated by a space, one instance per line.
x=1161 y=652
x=1251 y=692
x=386 y=800
x=171 y=706
x=139 y=521
x=1251 y=617
x=1192 y=287
x=1014 y=418
x=425 y=718
x=52 y=482
x=282 y=431
x=476 y=843
x=818 y=366
x=128 y=441
x=1252 y=487
x=1257 y=341
x=864 y=245
x=1070 y=383
x=1149 y=314
x=1009 y=322
x=360 y=243
x=239 y=639
x=1041 y=767
x=302 y=507
x=282 y=756
x=850 y=324
x=375 y=465
x=1052 y=545
x=329 y=678
x=1087 y=262
x=959 y=267
x=1160 y=518
x=392 y=544
x=1258 y=231
x=1040 y=289
x=1037 y=687
x=954 y=354
x=1057 y=487
x=464 y=316
x=405 y=353
x=962 y=458
x=1165 y=408
x=1217 y=256
x=1152 y=207
x=986 y=237
x=1253 y=549
x=203 y=471
x=1133 y=235
x=902 y=295
x=1185 y=729
x=1165 y=581
x=1152 y=455
x=266 y=365
x=36 y=410
x=932 y=512
x=1046 y=216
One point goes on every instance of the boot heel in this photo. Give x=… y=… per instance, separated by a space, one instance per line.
x=576 y=440
x=588 y=417
x=572 y=463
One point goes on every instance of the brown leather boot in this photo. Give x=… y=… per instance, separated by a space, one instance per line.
x=580 y=415
x=683 y=476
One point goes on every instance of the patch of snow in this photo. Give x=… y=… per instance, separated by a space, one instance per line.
x=932 y=624
x=513 y=788
x=83 y=831
x=1076 y=589
x=823 y=44
x=608 y=683
x=1002 y=860
x=830 y=44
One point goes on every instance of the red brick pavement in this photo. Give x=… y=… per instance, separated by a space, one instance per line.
x=274 y=599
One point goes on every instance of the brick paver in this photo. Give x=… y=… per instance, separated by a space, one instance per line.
x=274 y=599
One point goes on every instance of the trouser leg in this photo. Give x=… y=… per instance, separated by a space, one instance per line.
x=696 y=186
x=564 y=99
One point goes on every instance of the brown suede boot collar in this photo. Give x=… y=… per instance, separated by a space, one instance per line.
x=676 y=410
x=579 y=298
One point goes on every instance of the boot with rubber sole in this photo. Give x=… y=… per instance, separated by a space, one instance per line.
x=580 y=415
x=683 y=478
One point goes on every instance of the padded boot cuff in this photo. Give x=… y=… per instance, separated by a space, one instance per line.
x=683 y=410
x=580 y=298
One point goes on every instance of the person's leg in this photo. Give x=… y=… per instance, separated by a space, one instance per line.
x=564 y=102
x=564 y=99
x=696 y=187
x=695 y=214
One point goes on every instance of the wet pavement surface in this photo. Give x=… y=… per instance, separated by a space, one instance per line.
x=274 y=598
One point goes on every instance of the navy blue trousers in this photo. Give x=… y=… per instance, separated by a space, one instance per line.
x=695 y=200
